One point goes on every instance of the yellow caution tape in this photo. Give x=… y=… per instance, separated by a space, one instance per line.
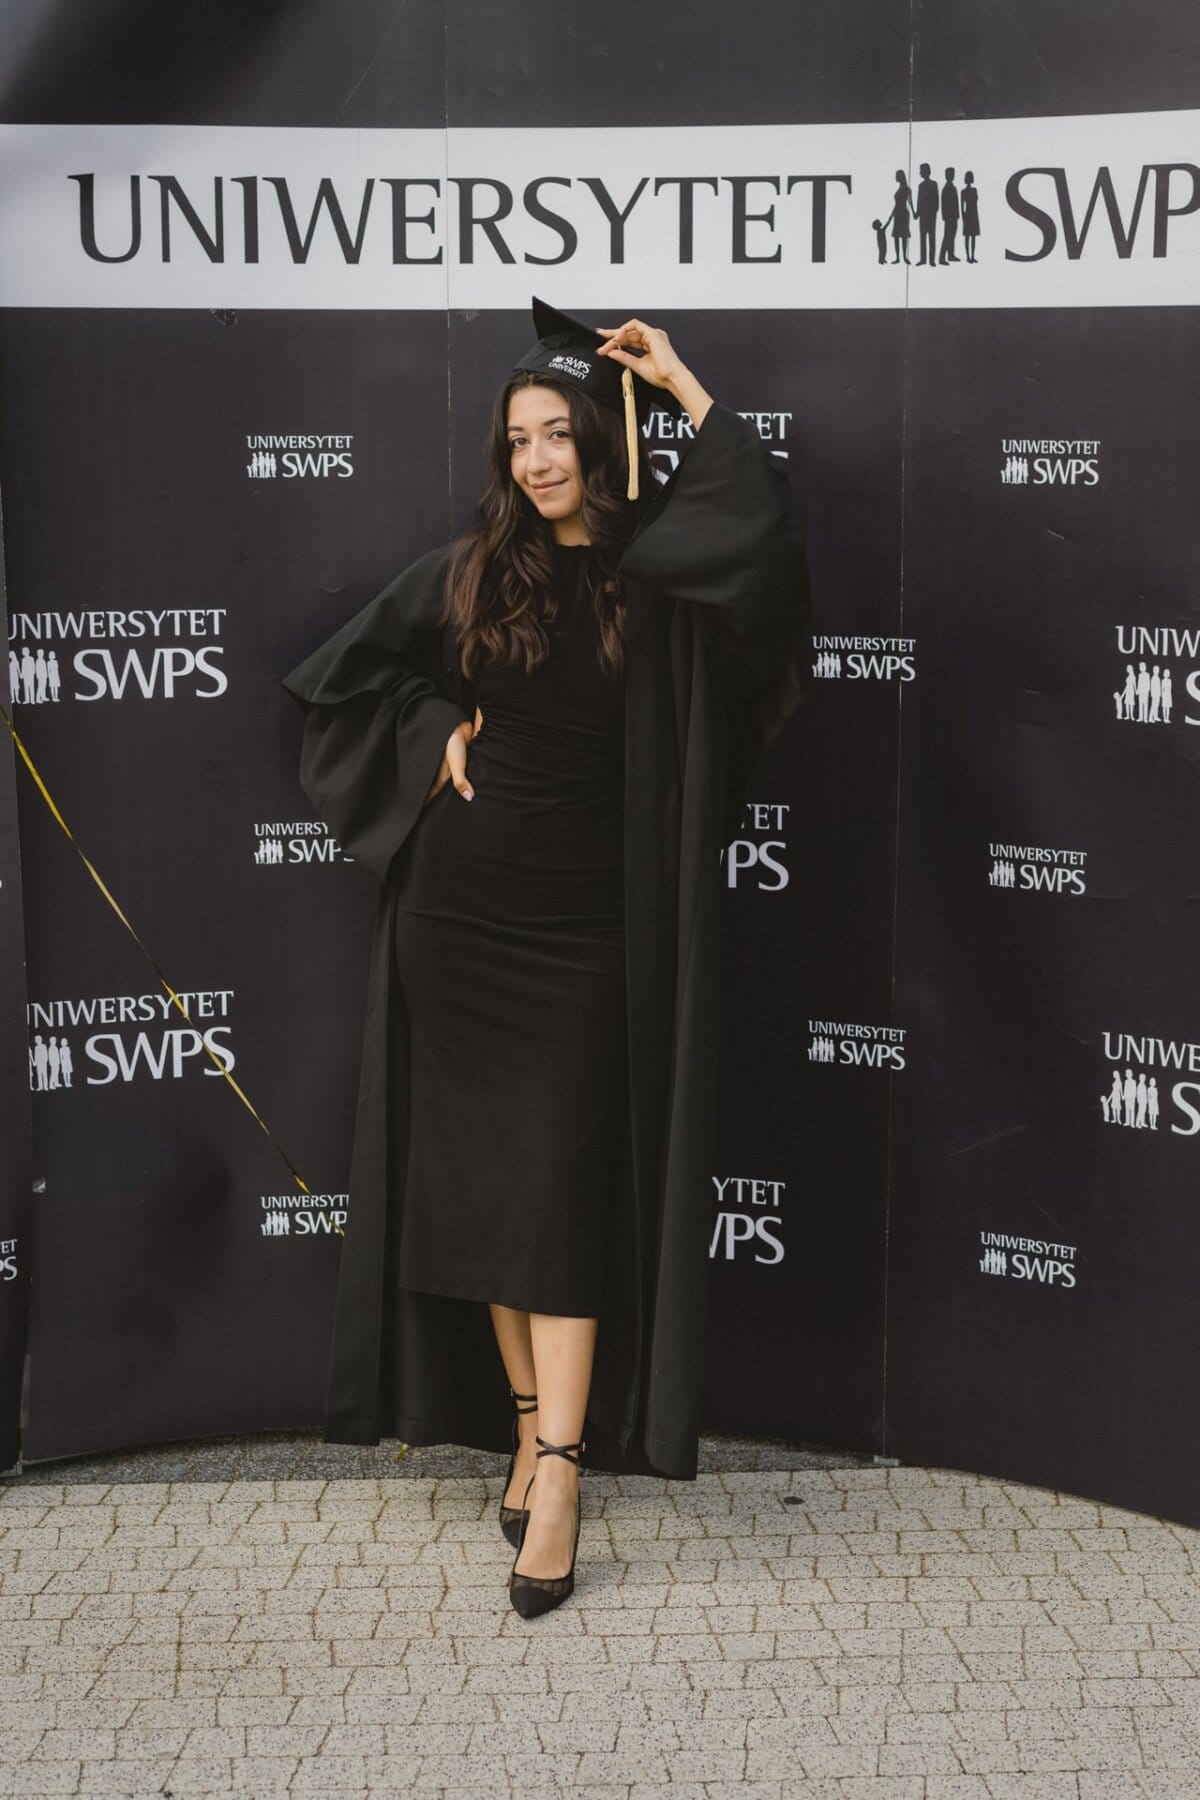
x=44 y=791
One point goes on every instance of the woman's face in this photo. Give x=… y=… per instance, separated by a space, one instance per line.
x=544 y=461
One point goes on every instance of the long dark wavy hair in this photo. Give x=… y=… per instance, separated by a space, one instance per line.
x=500 y=579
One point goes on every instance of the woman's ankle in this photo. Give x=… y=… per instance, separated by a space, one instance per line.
x=557 y=1473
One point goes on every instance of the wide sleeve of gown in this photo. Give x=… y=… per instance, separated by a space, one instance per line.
x=379 y=704
x=727 y=532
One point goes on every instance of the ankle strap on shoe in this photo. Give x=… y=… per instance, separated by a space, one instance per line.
x=563 y=1450
x=516 y=1396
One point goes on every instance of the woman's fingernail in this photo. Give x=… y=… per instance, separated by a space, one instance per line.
x=468 y=793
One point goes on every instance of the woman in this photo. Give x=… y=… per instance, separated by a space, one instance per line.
x=900 y=216
x=970 y=215
x=537 y=738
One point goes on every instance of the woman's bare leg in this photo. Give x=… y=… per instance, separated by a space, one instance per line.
x=563 y=1350
x=516 y=1352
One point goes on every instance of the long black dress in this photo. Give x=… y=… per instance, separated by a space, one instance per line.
x=510 y=951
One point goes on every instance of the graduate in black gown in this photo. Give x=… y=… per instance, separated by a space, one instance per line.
x=538 y=737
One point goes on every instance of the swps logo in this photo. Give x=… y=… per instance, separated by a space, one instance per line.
x=748 y=1224
x=299 y=457
x=1135 y=1098
x=295 y=841
x=1032 y=868
x=755 y=858
x=864 y=658
x=803 y=213
x=144 y=1037
x=856 y=1046
x=1149 y=690
x=303 y=1215
x=1050 y=462
x=141 y=654
x=1027 y=1259
x=574 y=366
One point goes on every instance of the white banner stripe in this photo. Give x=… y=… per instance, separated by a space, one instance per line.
x=1097 y=210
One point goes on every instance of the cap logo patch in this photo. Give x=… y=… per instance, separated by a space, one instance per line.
x=571 y=365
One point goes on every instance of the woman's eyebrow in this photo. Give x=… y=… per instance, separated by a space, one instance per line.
x=558 y=419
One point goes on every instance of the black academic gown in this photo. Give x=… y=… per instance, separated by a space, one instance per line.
x=717 y=596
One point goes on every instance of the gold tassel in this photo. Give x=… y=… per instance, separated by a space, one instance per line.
x=631 y=433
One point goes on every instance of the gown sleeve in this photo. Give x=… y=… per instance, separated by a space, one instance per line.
x=380 y=702
x=727 y=533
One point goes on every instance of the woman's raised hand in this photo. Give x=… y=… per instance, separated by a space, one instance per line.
x=658 y=364
x=454 y=762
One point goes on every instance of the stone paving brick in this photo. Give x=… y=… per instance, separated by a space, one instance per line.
x=386 y=1774
x=47 y=1778
x=222 y=1741
x=198 y=1775
x=75 y=1743
x=265 y=1775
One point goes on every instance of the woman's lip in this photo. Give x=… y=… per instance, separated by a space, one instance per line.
x=545 y=486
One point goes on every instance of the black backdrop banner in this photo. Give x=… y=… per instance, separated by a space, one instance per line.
x=16 y=1124
x=261 y=270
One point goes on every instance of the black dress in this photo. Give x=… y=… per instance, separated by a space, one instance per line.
x=510 y=951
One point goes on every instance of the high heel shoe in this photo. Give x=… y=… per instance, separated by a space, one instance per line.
x=533 y=1594
x=512 y=1518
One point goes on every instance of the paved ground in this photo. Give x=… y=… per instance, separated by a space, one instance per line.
x=288 y=1455
x=848 y=1632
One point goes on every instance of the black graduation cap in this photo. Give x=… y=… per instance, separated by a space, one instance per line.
x=570 y=352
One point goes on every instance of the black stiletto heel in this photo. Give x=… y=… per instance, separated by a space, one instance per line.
x=533 y=1594
x=512 y=1518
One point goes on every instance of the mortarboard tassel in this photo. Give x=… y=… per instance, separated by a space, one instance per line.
x=631 y=438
